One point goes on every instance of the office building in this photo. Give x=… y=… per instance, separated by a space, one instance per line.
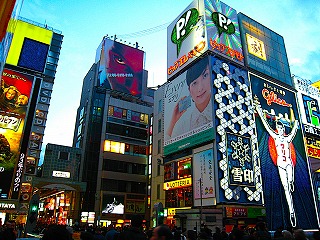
x=112 y=130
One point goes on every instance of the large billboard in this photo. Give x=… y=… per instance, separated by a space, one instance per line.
x=264 y=50
x=223 y=31
x=238 y=167
x=186 y=38
x=120 y=67
x=203 y=25
x=29 y=46
x=288 y=193
x=14 y=100
x=188 y=108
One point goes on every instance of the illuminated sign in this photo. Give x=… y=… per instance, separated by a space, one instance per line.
x=223 y=31
x=113 y=204
x=203 y=168
x=120 y=67
x=186 y=38
x=172 y=211
x=61 y=174
x=256 y=47
x=4 y=205
x=312 y=111
x=236 y=212
x=284 y=167
x=29 y=46
x=237 y=146
x=14 y=101
x=186 y=182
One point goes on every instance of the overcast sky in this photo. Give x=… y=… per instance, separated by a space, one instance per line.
x=84 y=23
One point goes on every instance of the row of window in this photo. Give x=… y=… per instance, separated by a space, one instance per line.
x=123 y=186
x=124 y=167
x=125 y=148
x=128 y=114
x=126 y=131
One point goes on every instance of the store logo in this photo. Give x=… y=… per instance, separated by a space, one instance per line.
x=184 y=27
x=223 y=23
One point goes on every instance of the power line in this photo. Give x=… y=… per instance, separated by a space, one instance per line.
x=144 y=32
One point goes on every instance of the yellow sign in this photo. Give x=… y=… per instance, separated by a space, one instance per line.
x=172 y=211
x=256 y=47
x=186 y=182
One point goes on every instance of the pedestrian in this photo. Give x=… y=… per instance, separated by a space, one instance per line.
x=162 y=232
x=86 y=236
x=8 y=232
x=55 y=232
x=111 y=233
x=133 y=232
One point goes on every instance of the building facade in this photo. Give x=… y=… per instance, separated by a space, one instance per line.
x=229 y=133
x=112 y=130
x=27 y=82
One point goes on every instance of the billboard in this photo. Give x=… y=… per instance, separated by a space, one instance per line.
x=113 y=204
x=238 y=167
x=223 y=31
x=188 y=109
x=203 y=168
x=287 y=188
x=203 y=25
x=14 y=100
x=120 y=67
x=186 y=38
x=264 y=50
x=29 y=46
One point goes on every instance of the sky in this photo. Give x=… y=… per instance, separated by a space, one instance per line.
x=84 y=23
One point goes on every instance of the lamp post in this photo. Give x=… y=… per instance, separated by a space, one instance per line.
x=200 y=181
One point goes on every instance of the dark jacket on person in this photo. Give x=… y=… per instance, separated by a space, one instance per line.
x=132 y=233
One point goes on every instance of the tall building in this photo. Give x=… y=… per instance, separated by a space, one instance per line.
x=112 y=130
x=229 y=134
x=26 y=86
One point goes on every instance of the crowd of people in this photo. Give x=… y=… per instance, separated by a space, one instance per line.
x=11 y=231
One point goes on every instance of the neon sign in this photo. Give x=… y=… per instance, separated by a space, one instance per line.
x=185 y=58
x=186 y=182
x=225 y=49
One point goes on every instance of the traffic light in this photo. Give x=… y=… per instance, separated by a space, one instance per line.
x=33 y=214
x=160 y=215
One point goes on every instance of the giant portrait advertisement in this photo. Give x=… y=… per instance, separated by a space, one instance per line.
x=288 y=193
x=188 y=108
x=121 y=67
x=14 y=99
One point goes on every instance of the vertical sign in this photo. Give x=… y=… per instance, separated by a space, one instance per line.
x=287 y=185
x=203 y=169
x=14 y=99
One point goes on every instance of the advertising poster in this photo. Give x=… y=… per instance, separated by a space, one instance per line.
x=288 y=193
x=203 y=175
x=264 y=50
x=223 y=31
x=14 y=99
x=188 y=109
x=113 y=204
x=186 y=38
x=237 y=146
x=121 y=67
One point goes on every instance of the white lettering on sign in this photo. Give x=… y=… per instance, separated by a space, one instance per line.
x=7 y=205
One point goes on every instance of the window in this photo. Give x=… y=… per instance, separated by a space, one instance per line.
x=158 y=191
x=159 y=146
x=63 y=155
x=159 y=125
x=116 y=147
